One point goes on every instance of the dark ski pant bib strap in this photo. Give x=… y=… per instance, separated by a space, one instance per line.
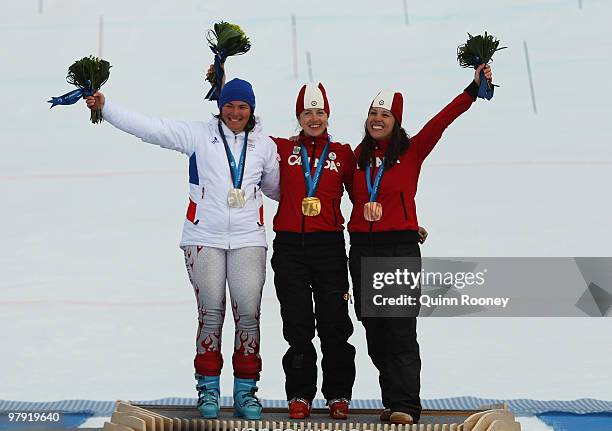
x=392 y=341
x=302 y=273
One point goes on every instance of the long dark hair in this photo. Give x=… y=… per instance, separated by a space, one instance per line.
x=250 y=125
x=398 y=144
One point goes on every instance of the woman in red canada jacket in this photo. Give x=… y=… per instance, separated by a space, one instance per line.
x=309 y=259
x=384 y=223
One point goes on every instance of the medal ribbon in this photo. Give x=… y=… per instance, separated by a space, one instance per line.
x=237 y=172
x=373 y=188
x=313 y=183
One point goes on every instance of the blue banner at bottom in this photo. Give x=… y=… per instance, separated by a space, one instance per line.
x=561 y=421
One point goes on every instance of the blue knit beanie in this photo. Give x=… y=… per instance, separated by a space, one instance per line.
x=237 y=89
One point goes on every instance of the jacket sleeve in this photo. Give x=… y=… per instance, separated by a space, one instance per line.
x=171 y=134
x=431 y=133
x=348 y=171
x=270 y=177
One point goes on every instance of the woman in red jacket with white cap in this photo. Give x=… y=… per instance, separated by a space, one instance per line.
x=309 y=259
x=384 y=223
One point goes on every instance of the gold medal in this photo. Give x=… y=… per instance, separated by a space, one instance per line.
x=372 y=211
x=235 y=198
x=311 y=206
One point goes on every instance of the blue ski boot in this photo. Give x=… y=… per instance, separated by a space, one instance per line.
x=246 y=404
x=208 y=396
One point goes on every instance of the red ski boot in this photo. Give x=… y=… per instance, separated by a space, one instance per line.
x=338 y=408
x=299 y=408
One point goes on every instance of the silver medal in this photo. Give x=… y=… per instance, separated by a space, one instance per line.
x=236 y=198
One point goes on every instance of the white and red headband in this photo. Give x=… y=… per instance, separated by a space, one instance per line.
x=311 y=96
x=391 y=101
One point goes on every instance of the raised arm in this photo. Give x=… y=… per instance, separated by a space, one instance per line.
x=172 y=134
x=431 y=133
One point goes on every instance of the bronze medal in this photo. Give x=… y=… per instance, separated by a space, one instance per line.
x=311 y=206
x=236 y=199
x=372 y=211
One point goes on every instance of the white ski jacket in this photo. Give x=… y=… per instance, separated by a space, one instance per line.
x=210 y=221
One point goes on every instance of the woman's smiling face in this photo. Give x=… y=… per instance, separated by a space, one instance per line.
x=380 y=123
x=313 y=121
x=236 y=115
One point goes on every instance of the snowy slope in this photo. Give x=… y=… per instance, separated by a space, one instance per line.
x=94 y=299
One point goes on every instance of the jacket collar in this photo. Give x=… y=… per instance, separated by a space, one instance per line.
x=229 y=134
x=308 y=140
x=213 y=124
x=380 y=147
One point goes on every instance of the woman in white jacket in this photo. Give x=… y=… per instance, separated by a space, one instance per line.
x=231 y=162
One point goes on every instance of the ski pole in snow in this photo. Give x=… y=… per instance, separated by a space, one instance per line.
x=533 y=99
x=295 y=59
x=309 y=66
x=40 y=6
x=100 y=35
x=406 y=12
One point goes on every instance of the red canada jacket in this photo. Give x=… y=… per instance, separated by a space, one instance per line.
x=398 y=186
x=336 y=175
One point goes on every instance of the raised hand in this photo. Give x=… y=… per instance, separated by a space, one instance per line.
x=487 y=71
x=95 y=102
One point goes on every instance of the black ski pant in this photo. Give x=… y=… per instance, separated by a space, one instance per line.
x=392 y=341
x=307 y=266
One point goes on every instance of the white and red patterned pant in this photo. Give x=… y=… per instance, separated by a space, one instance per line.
x=244 y=271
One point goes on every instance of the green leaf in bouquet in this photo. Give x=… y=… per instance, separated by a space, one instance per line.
x=89 y=72
x=228 y=39
x=478 y=50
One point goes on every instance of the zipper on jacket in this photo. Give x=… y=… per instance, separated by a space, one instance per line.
x=255 y=200
x=404 y=205
x=311 y=164
x=334 y=209
x=229 y=210
x=372 y=166
x=198 y=220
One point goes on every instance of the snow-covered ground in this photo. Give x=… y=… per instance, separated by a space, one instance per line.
x=94 y=299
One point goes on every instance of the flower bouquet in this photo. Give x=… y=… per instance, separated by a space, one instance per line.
x=476 y=51
x=225 y=40
x=88 y=75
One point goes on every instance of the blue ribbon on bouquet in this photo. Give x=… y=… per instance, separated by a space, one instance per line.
x=485 y=91
x=215 y=91
x=72 y=97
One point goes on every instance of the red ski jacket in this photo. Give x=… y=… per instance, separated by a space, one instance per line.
x=398 y=186
x=336 y=175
